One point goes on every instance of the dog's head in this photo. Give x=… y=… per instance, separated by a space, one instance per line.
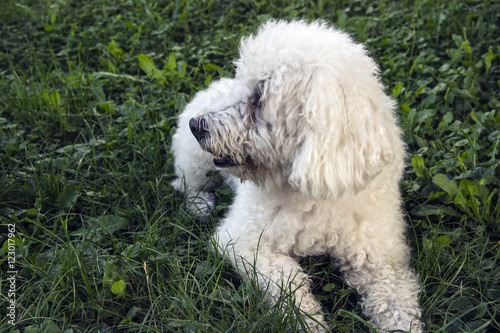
x=312 y=113
x=239 y=137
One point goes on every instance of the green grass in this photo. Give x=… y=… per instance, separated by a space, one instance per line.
x=89 y=93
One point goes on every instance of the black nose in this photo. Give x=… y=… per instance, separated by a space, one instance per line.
x=197 y=126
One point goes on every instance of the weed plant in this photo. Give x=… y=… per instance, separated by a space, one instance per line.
x=89 y=94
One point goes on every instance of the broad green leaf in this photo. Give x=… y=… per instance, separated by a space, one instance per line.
x=493 y=292
x=112 y=223
x=428 y=100
x=467 y=48
x=108 y=107
x=118 y=288
x=183 y=70
x=97 y=92
x=437 y=210
x=447 y=118
x=329 y=287
x=467 y=187
x=341 y=17
x=67 y=197
x=46 y=97
x=470 y=189
x=419 y=91
x=171 y=64
x=418 y=164
x=449 y=186
x=474 y=117
x=405 y=109
x=488 y=57
x=397 y=90
x=31 y=212
x=443 y=240
x=56 y=98
x=463 y=93
x=146 y=64
x=149 y=67
x=48 y=325
x=180 y=102
x=211 y=67
x=53 y=99
x=208 y=80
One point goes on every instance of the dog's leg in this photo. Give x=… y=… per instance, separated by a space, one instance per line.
x=387 y=285
x=389 y=297
x=278 y=274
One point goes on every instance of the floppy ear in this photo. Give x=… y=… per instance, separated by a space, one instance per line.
x=349 y=134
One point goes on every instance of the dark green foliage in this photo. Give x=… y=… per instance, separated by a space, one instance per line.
x=89 y=94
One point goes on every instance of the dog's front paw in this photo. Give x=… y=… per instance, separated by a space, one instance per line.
x=201 y=204
x=198 y=202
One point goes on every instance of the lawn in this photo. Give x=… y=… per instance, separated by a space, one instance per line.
x=94 y=237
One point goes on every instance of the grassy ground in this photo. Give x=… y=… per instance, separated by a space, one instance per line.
x=89 y=93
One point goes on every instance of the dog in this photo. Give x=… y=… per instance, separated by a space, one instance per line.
x=309 y=141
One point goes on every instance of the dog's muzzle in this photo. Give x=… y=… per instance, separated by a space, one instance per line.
x=199 y=128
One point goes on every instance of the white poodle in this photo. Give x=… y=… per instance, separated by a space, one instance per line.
x=306 y=121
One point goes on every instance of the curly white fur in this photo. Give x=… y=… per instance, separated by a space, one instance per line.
x=306 y=120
